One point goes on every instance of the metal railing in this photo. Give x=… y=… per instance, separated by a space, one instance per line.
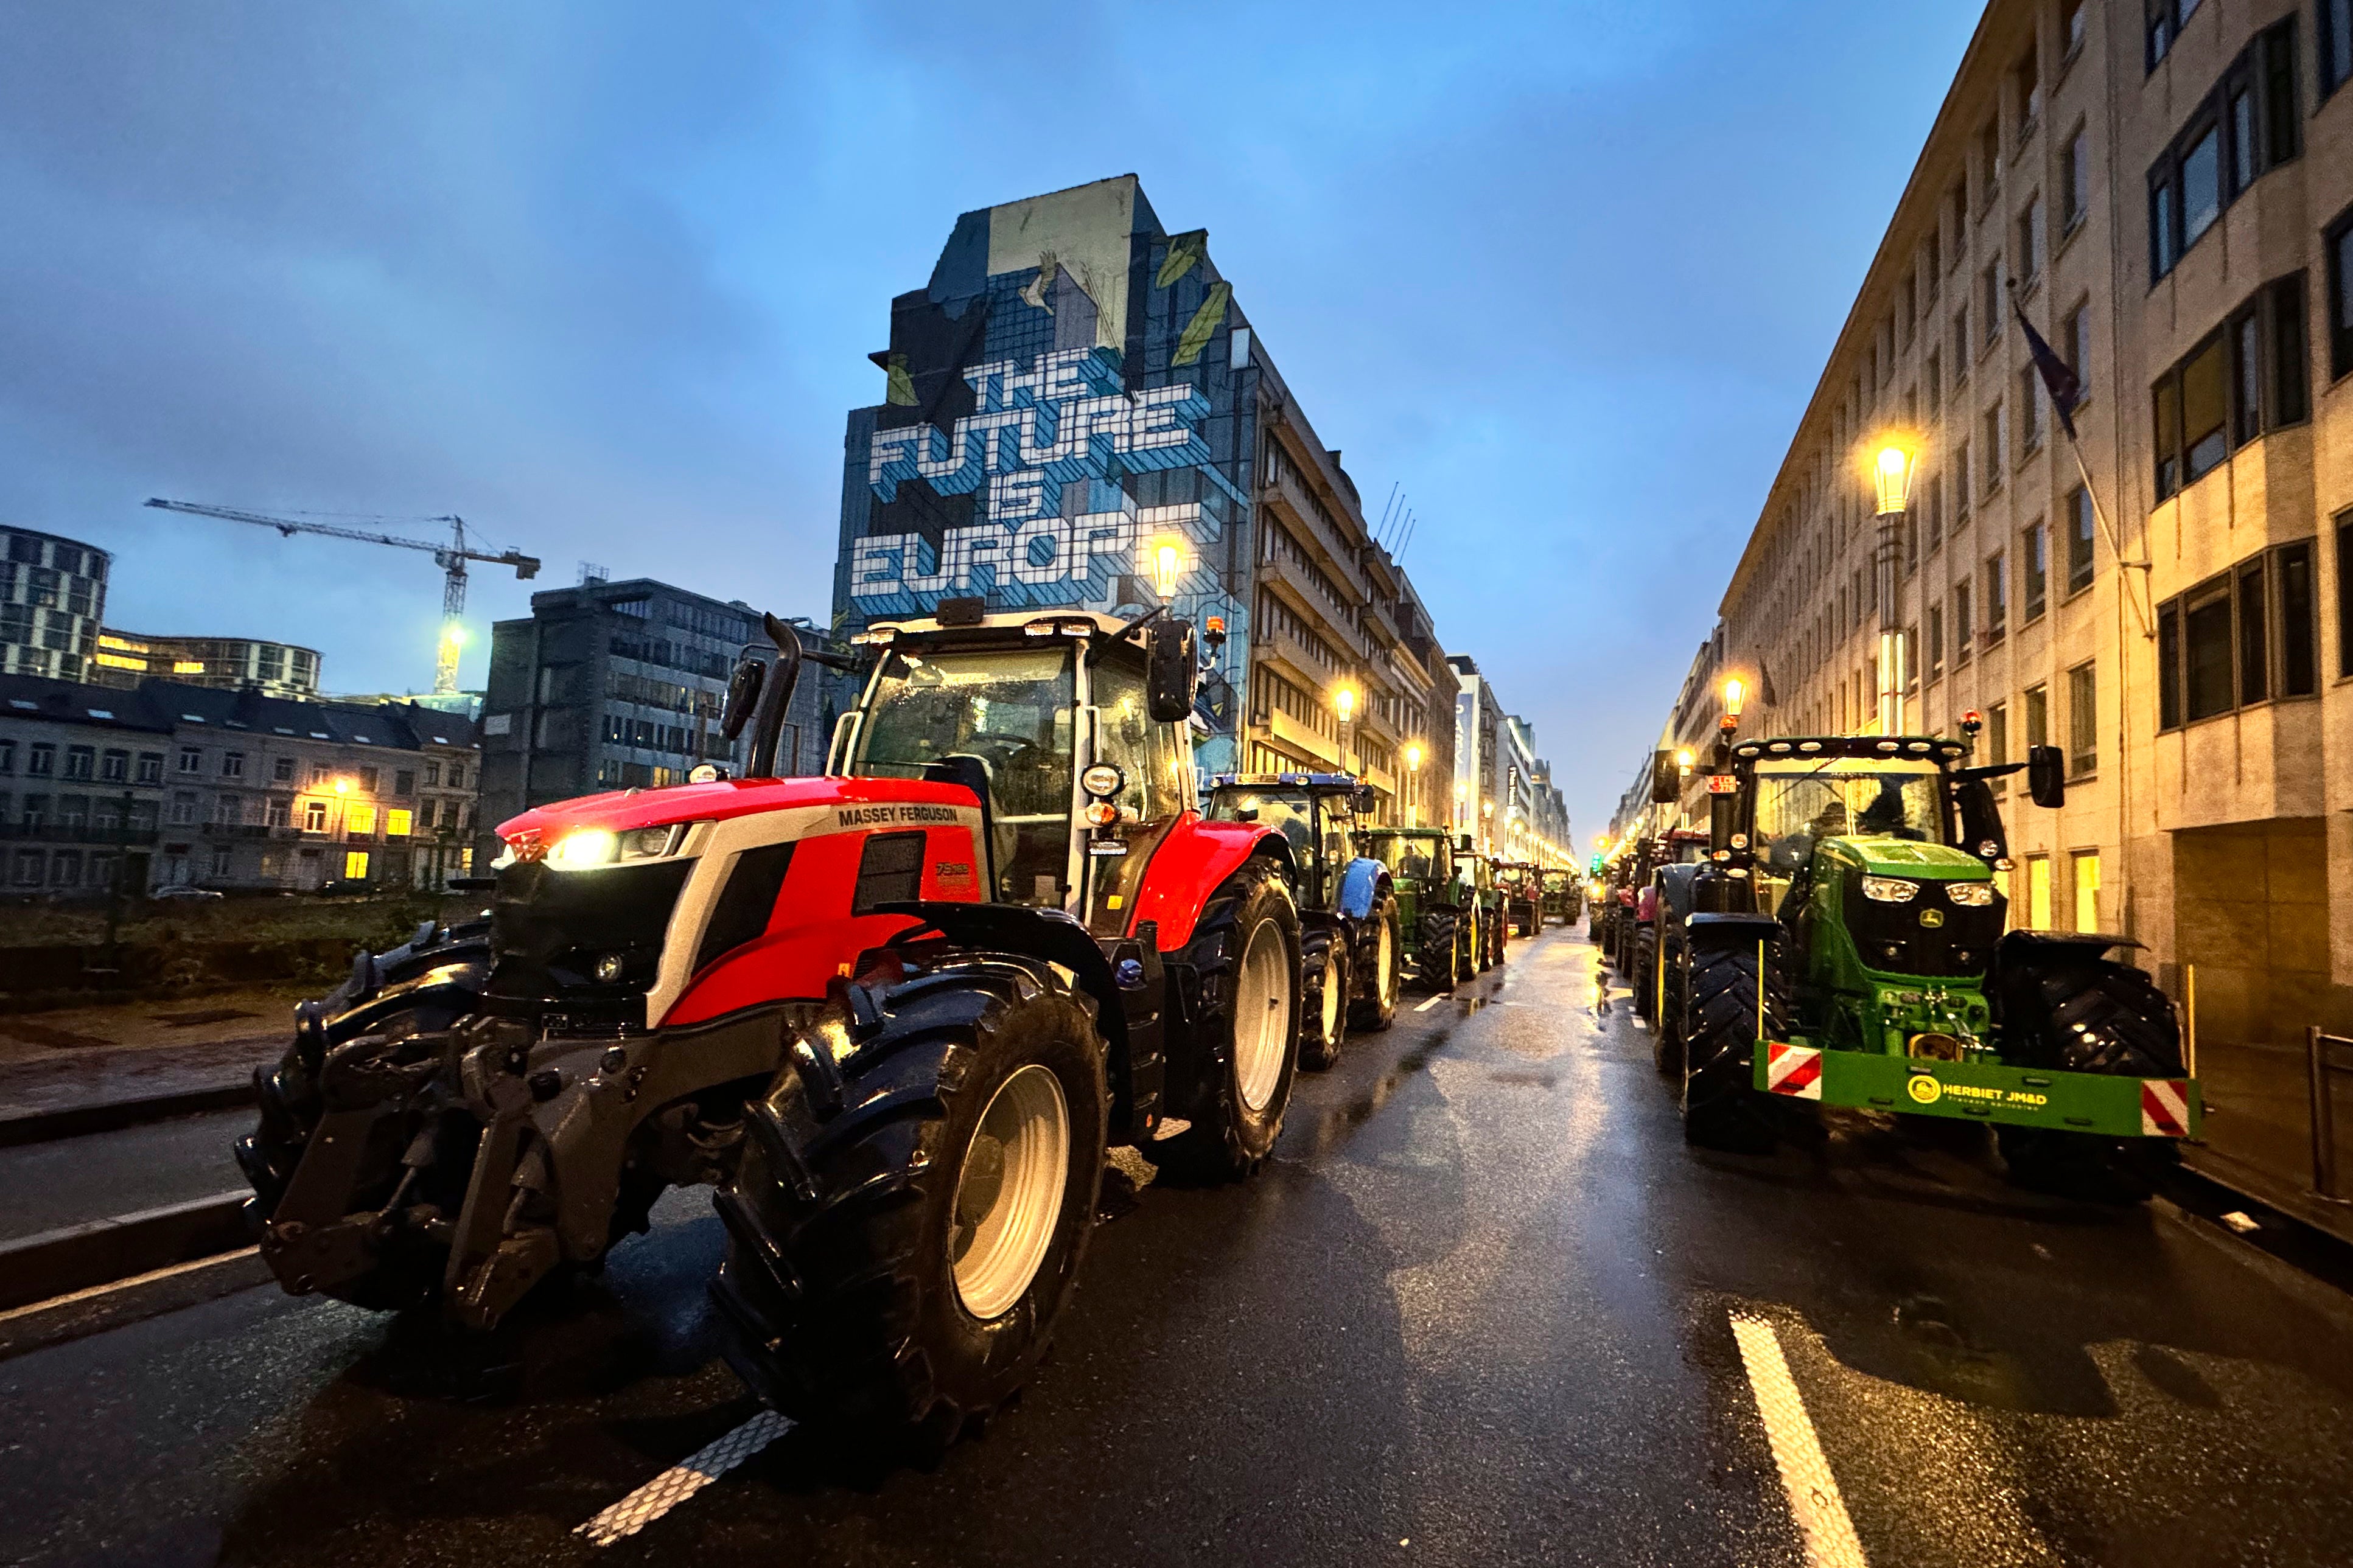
x=2319 y=1065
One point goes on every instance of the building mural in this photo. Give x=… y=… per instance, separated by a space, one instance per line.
x=1068 y=398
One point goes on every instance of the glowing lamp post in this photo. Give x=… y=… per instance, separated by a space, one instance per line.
x=1167 y=558
x=1413 y=783
x=1344 y=702
x=1891 y=471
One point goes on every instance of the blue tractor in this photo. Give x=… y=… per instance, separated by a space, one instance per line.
x=1350 y=949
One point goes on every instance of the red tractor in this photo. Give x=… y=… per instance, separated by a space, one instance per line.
x=897 y=1016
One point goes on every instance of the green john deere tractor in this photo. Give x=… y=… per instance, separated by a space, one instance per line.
x=1564 y=894
x=1843 y=943
x=1431 y=924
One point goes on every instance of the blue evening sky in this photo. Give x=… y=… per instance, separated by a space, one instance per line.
x=603 y=277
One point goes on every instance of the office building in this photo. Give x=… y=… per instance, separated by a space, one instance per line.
x=124 y=659
x=52 y=604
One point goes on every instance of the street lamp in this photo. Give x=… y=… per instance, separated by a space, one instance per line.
x=1167 y=560
x=1891 y=471
x=1413 y=783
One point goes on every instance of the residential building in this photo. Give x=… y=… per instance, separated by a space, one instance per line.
x=2165 y=190
x=52 y=603
x=228 y=664
x=620 y=686
x=174 y=784
x=1478 y=720
x=1077 y=397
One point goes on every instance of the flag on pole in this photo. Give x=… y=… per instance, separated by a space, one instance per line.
x=2065 y=387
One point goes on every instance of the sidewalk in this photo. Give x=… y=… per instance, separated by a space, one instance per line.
x=81 y=1056
x=2259 y=1132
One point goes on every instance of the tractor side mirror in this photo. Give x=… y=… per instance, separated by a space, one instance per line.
x=1980 y=820
x=742 y=696
x=1666 y=779
x=1462 y=846
x=1363 y=800
x=1173 y=670
x=2046 y=776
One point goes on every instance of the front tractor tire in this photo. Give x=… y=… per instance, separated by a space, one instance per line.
x=1376 y=1008
x=1245 y=958
x=908 y=1218
x=1325 y=981
x=1730 y=993
x=1439 y=965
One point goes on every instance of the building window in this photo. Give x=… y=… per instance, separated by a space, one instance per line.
x=2246 y=127
x=192 y=761
x=2243 y=638
x=2034 y=561
x=433 y=772
x=220 y=860
x=232 y=764
x=2087 y=889
x=1936 y=642
x=2243 y=381
x=396 y=823
x=1964 y=628
x=2075 y=180
x=359 y=819
x=2081 y=523
x=2038 y=716
x=369 y=780
x=184 y=809
x=314 y=817
x=1996 y=598
x=1997 y=733
x=2075 y=345
x=1996 y=429
x=2030 y=242
x=2038 y=892
x=41 y=760
x=2026 y=77
x=1990 y=303
x=2083 y=719
x=355 y=866
x=2029 y=411
x=456 y=775
x=404 y=783
x=1961 y=346
x=81 y=762
x=282 y=769
x=114 y=767
x=2335 y=21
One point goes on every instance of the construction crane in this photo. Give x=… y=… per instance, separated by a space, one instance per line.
x=451 y=557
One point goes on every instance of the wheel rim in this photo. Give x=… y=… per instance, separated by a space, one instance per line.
x=1010 y=1192
x=1383 y=965
x=1262 y=1017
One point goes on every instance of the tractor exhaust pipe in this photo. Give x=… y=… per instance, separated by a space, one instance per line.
x=775 y=696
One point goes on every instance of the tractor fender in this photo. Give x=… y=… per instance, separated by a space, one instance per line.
x=1360 y=888
x=1677 y=892
x=1715 y=929
x=1193 y=861
x=1646 y=906
x=1049 y=934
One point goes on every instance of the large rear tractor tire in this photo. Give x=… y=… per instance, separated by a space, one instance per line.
x=1667 y=1029
x=907 y=1221
x=1723 y=1006
x=1245 y=955
x=1383 y=982
x=1325 y=979
x=2068 y=1008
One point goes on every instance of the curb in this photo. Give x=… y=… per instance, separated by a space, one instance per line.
x=106 y=1116
x=122 y=1303
x=60 y=1262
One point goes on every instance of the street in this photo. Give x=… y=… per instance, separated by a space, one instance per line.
x=1482 y=1307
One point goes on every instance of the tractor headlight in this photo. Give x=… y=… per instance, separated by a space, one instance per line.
x=1970 y=895
x=588 y=848
x=1103 y=781
x=1889 y=889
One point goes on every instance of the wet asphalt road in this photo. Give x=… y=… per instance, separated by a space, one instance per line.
x=1477 y=1310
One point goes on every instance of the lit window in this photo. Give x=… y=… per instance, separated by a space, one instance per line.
x=396 y=823
x=2087 y=890
x=360 y=817
x=355 y=865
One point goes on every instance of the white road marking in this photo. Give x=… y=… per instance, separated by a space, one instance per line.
x=1805 y=1475
x=683 y=1479
x=1433 y=1002
x=111 y=1286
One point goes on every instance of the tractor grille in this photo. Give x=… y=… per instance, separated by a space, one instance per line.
x=1891 y=939
x=550 y=931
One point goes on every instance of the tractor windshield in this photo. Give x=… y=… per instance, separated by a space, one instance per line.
x=1799 y=804
x=1417 y=857
x=1013 y=712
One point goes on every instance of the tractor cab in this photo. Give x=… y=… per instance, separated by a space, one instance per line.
x=1316 y=813
x=1421 y=864
x=1082 y=764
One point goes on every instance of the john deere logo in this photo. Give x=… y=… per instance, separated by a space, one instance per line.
x=1932 y=918
x=1924 y=1088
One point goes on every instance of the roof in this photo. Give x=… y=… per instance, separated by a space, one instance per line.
x=162 y=706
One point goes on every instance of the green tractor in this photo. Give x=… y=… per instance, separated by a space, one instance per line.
x=1843 y=943
x=1564 y=895
x=1434 y=934
x=1477 y=889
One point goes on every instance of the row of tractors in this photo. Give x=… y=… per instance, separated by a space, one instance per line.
x=1834 y=930
x=896 y=1016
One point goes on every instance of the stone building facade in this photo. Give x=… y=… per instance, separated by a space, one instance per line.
x=2166 y=190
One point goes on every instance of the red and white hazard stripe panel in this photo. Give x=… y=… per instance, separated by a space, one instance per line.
x=1793 y=1070
x=2165 y=1108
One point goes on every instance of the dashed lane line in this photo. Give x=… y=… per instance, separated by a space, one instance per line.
x=1433 y=1002
x=683 y=1479
x=1805 y=1475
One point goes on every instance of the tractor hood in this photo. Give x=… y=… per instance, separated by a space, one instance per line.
x=1880 y=857
x=618 y=811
